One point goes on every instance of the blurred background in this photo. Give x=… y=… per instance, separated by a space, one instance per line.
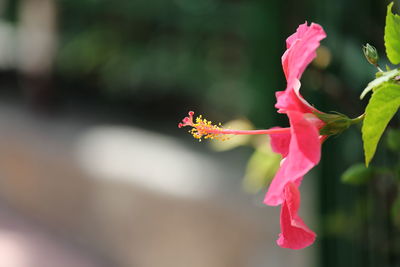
x=95 y=172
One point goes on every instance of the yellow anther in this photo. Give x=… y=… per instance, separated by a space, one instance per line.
x=202 y=128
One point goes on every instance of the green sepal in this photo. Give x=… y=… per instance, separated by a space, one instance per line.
x=335 y=123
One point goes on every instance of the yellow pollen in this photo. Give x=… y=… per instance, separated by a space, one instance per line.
x=203 y=128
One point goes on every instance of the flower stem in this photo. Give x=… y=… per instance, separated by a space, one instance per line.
x=358 y=119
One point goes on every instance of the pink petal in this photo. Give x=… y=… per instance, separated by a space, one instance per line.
x=280 y=143
x=301 y=47
x=294 y=233
x=303 y=154
x=291 y=99
x=301 y=30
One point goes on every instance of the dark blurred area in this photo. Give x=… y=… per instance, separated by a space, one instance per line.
x=95 y=172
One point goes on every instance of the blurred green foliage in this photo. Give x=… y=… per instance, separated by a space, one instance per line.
x=393 y=140
x=204 y=49
x=357 y=174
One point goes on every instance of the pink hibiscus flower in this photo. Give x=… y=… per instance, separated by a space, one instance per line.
x=301 y=148
x=299 y=145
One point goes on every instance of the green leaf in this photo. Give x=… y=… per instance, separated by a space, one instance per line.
x=392 y=35
x=383 y=77
x=357 y=174
x=382 y=106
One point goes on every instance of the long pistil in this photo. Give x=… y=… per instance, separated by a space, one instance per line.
x=203 y=128
x=250 y=132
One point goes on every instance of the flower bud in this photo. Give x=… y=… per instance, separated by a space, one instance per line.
x=371 y=54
